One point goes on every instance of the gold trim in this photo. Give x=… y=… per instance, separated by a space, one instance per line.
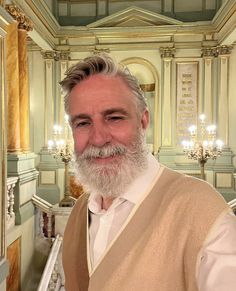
x=147 y=87
x=224 y=49
x=209 y=52
x=48 y=55
x=97 y=51
x=167 y=52
x=64 y=55
x=23 y=21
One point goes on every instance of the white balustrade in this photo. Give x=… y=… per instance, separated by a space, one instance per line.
x=10 y=214
x=45 y=216
x=51 y=279
x=51 y=221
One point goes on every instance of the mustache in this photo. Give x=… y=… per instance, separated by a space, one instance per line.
x=102 y=152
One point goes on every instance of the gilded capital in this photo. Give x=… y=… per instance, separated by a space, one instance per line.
x=63 y=55
x=97 y=51
x=209 y=52
x=23 y=21
x=167 y=52
x=48 y=55
x=224 y=49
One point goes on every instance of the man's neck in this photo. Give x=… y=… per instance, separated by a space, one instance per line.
x=106 y=202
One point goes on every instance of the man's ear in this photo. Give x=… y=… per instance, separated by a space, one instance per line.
x=145 y=119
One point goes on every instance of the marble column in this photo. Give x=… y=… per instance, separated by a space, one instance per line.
x=4 y=265
x=64 y=57
x=23 y=27
x=208 y=54
x=167 y=55
x=223 y=102
x=20 y=162
x=12 y=69
x=17 y=72
x=49 y=58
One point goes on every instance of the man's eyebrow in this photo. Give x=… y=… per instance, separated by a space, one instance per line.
x=115 y=110
x=104 y=113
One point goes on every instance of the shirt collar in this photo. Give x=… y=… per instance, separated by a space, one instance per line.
x=136 y=189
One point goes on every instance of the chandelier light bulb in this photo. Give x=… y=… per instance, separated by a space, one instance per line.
x=192 y=129
x=202 y=117
x=205 y=143
x=219 y=144
x=202 y=145
x=50 y=144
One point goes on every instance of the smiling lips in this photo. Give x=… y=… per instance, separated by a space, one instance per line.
x=105 y=159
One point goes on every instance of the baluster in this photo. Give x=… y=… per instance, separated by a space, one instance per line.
x=41 y=223
x=53 y=280
x=49 y=225
x=11 y=201
x=8 y=202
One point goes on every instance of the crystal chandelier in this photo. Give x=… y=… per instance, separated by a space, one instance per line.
x=62 y=149
x=202 y=144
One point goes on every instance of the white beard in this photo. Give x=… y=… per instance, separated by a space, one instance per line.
x=113 y=179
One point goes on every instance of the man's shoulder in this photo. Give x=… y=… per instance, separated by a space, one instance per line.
x=189 y=187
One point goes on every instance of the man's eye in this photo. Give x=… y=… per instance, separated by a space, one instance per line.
x=115 y=118
x=81 y=124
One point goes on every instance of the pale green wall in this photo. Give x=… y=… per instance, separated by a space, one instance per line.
x=232 y=102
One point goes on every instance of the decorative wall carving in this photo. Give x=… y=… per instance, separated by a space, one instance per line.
x=216 y=51
x=97 y=51
x=187 y=98
x=209 y=52
x=48 y=54
x=224 y=49
x=167 y=52
x=64 y=56
x=56 y=55
x=23 y=21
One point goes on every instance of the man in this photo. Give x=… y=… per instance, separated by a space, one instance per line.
x=141 y=226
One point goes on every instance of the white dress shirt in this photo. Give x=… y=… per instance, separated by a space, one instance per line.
x=217 y=268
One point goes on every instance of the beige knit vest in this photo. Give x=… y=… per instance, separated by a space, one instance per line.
x=157 y=250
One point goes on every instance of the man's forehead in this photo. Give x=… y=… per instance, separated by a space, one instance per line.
x=103 y=81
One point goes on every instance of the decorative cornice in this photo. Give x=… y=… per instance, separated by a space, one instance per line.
x=209 y=52
x=23 y=21
x=224 y=49
x=167 y=52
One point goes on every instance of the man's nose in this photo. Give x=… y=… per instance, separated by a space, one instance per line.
x=100 y=135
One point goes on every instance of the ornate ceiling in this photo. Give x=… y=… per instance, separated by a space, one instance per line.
x=80 y=12
x=129 y=28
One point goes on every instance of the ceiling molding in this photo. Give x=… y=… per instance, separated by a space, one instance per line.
x=134 y=16
x=225 y=23
x=132 y=27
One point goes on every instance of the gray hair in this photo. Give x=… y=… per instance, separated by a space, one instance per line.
x=101 y=64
